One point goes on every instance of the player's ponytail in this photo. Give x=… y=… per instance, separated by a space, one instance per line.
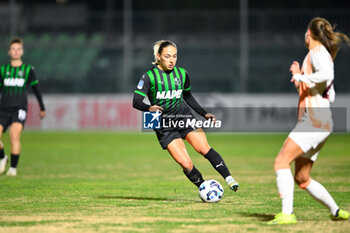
x=158 y=48
x=323 y=31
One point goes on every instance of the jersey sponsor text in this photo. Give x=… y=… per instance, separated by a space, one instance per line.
x=13 y=82
x=169 y=94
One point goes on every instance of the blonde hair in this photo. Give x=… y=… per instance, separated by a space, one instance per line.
x=158 y=48
x=323 y=31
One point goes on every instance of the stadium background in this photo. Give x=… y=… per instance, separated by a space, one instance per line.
x=89 y=55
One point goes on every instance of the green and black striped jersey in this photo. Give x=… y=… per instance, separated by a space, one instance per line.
x=13 y=84
x=165 y=89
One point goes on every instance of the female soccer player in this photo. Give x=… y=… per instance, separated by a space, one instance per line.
x=15 y=77
x=315 y=85
x=166 y=86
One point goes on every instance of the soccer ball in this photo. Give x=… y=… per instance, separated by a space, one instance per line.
x=211 y=191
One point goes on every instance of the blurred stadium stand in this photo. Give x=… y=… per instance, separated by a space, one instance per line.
x=79 y=50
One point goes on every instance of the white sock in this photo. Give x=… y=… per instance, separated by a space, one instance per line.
x=320 y=193
x=285 y=184
x=229 y=180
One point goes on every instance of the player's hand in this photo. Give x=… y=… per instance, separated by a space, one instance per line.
x=155 y=108
x=295 y=68
x=296 y=83
x=210 y=116
x=42 y=114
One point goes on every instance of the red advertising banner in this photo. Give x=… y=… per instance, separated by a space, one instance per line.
x=80 y=112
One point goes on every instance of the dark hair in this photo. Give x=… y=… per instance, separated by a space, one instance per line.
x=159 y=46
x=323 y=31
x=16 y=40
x=165 y=44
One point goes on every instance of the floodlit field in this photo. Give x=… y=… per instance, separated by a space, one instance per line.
x=125 y=182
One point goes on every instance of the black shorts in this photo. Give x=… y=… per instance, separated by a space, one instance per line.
x=167 y=136
x=9 y=116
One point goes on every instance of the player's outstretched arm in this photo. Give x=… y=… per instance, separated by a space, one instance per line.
x=323 y=68
x=39 y=97
x=138 y=103
x=192 y=102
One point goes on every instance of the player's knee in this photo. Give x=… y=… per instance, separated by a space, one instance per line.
x=302 y=180
x=14 y=139
x=186 y=165
x=202 y=149
x=281 y=162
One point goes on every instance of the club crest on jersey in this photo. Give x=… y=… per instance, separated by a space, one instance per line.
x=177 y=81
x=20 y=73
x=169 y=94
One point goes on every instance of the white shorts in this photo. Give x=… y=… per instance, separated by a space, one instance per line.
x=309 y=139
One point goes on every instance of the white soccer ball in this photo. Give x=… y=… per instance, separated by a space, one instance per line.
x=211 y=191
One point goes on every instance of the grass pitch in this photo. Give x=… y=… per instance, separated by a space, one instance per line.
x=125 y=182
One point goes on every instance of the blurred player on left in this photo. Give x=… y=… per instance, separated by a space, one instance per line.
x=14 y=79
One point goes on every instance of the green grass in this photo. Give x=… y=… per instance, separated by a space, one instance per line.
x=125 y=182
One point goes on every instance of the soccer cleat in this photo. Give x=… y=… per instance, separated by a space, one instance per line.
x=282 y=218
x=341 y=215
x=12 y=171
x=3 y=162
x=234 y=186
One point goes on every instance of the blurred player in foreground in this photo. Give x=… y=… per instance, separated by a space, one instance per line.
x=166 y=87
x=315 y=85
x=15 y=77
